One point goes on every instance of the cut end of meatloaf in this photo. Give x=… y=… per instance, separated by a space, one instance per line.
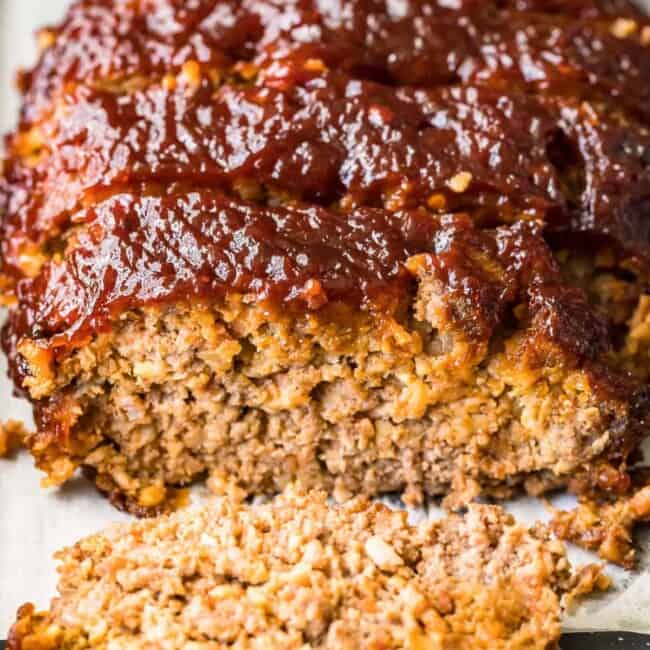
x=277 y=240
x=474 y=370
x=299 y=573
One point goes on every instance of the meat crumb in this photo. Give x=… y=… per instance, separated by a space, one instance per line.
x=460 y=182
x=12 y=434
x=606 y=526
x=623 y=27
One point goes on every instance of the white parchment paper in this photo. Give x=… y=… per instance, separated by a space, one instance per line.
x=34 y=523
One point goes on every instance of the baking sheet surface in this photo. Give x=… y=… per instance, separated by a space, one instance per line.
x=34 y=522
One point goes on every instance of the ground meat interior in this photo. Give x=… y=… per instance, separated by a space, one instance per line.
x=299 y=574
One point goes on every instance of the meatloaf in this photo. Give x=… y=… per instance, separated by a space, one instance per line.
x=371 y=245
x=299 y=574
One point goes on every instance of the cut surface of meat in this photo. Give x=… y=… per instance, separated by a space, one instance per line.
x=298 y=573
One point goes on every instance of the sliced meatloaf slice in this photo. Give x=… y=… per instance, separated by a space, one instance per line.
x=355 y=243
x=298 y=574
x=362 y=352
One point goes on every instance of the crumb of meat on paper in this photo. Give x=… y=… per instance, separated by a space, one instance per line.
x=606 y=525
x=12 y=434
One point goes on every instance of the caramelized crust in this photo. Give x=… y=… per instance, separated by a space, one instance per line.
x=332 y=228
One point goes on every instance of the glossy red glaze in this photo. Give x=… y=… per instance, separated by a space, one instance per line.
x=547 y=43
x=327 y=138
x=136 y=251
x=353 y=115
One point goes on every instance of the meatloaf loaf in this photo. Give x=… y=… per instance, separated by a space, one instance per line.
x=299 y=574
x=368 y=244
